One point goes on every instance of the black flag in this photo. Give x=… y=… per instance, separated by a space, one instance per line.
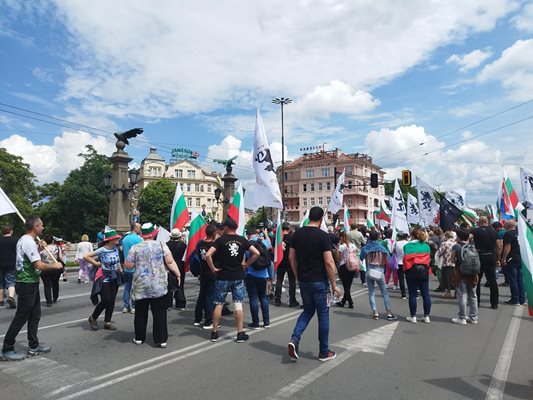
x=449 y=213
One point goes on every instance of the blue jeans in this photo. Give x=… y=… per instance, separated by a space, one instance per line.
x=516 y=283
x=204 y=304
x=128 y=279
x=414 y=283
x=382 y=288
x=257 y=294
x=315 y=298
x=223 y=287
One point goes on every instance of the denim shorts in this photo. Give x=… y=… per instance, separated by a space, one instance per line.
x=271 y=271
x=223 y=287
x=7 y=279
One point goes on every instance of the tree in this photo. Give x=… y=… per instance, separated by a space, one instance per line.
x=155 y=202
x=81 y=204
x=259 y=218
x=18 y=182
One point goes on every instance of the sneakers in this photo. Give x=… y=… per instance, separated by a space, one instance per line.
x=426 y=319
x=132 y=310
x=197 y=323
x=138 y=342
x=412 y=319
x=12 y=355
x=330 y=355
x=214 y=336
x=110 y=327
x=472 y=320
x=294 y=304
x=242 y=337
x=459 y=321
x=292 y=348
x=93 y=323
x=11 y=302
x=254 y=326
x=208 y=326
x=512 y=303
x=391 y=317
x=39 y=350
x=163 y=345
x=125 y=310
x=375 y=316
x=266 y=325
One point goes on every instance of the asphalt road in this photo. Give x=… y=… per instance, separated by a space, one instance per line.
x=376 y=359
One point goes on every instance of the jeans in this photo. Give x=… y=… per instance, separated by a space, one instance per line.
x=282 y=270
x=51 y=285
x=466 y=294
x=516 y=283
x=159 y=317
x=401 y=279
x=128 y=280
x=204 y=304
x=382 y=288
x=488 y=267
x=108 y=294
x=363 y=277
x=257 y=294
x=28 y=310
x=315 y=298
x=414 y=283
x=347 y=280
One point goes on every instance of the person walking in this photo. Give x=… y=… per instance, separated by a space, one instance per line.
x=178 y=248
x=8 y=274
x=284 y=268
x=107 y=286
x=130 y=239
x=150 y=281
x=28 y=267
x=204 y=303
x=346 y=249
x=512 y=260
x=84 y=247
x=398 y=251
x=313 y=266
x=51 y=278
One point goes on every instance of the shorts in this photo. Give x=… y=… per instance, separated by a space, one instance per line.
x=7 y=279
x=223 y=287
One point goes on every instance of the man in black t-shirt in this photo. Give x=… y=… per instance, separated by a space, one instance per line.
x=284 y=267
x=178 y=248
x=512 y=260
x=8 y=255
x=485 y=242
x=204 y=304
x=229 y=249
x=312 y=264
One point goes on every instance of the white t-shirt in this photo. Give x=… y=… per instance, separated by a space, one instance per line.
x=344 y=252
x=398 y=249
x=27 y=246
x=83 y=249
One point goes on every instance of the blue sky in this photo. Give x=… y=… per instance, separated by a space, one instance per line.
x=373 y=77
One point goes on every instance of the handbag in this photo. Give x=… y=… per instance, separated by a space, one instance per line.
x=172 y=285
x=375 y=274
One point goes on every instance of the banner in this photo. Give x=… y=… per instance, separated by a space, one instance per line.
x=413 y=216
x=526 y=177
x=457 y=198
x=427 y=206
x=6 y=206
x=335 y=204
x=449 y=214
x=399 y=219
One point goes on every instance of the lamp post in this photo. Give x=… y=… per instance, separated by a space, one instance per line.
x=282 y=101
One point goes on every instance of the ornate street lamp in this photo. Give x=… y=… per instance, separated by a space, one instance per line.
x=282 y=101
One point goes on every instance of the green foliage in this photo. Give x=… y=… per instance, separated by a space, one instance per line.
x=81 y=204
x=389 y=188
x=258 y=218
x=155 y=202
x=18 y=182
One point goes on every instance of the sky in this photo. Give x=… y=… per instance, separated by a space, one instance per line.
x=443 y=88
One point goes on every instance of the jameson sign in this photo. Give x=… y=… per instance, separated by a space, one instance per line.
x=185 y=154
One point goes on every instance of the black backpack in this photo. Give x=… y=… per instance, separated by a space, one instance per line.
x=263 y=261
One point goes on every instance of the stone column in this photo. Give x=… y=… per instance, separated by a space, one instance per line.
x=229 y=191
x=119 y=206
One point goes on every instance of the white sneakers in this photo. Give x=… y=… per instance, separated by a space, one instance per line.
x=414 y=321
x=459 y=321
x=426 y=319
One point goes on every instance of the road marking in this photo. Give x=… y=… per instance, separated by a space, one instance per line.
x=499 y=378
x=375 y=341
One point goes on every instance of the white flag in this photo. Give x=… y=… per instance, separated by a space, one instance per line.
x=427 y=206
x=399 y=219
x=266 y=191
x=413 y=216
x=163 y=235
x=457 y=198
x=526 y=176
x=6 y=206
x=335 y=204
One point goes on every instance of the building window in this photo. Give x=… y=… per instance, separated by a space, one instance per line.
x=310 y=173
x=320 y=201
x=304 y=202
x=179 y=173
x=196 y=187
x=325 y=171
x=328 y=185
x=312 y=187
x=155 y=171
x=319 y=186
x=191 y=173
x=349 y=170
x=312 y=201
x=197 y=202
x=328 y=199
x=208 y=188
x=349 y=200
x=304 y=187
x=376 y=203
x=201 y=188
x=189 y=202
x=286 y=176
x=188 y=187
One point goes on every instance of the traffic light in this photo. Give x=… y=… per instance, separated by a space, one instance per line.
x=406 y=178
x=373 y=180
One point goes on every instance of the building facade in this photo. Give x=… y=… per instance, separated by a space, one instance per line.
x=310 y=181
x=198 y=185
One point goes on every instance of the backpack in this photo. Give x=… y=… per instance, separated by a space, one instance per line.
x=195 y=262
x=352 y=261
x=263 y=261
x=470 y=263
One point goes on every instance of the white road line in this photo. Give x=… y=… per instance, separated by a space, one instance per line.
x=499 y=378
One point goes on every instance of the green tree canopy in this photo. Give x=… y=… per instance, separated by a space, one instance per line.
x=155 y=202
x=18 y=182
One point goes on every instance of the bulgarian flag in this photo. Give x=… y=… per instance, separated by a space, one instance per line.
x=525 y=239
x=384 y=213
x=470 y=216
x=416 y=252
x=196 y=233
x=305 y=220
x=179 y=216
x=236 y=210
x=369 y=224
x=278 y=244
x=510 y=198
x=346 y=219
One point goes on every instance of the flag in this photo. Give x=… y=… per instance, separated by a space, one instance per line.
x=266 y=191
x=236 y=210
x=492 y=214
x=509 y=197
x=457 y=198
x=470 y=215
x=369 y=224
x=196 y=233
x=399 y=219
x=526 y=176
x=449 y=214
x=383 y=214
x=6 y=206
x=162 y=235
x=179 y=215
x=346 y=219
x=427 y=206
x=525 y=240
x=278 y=244
x=305 y=219
x=335 y=203
x=413 y=216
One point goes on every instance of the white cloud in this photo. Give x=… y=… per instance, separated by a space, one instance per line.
x=524 y=21
x=53 y=162
x=471 y=60
x=514 y=70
